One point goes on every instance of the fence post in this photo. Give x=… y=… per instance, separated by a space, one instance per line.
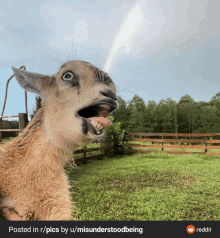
x=0 y=129
x=124 y=138
x=84 y=155
x=23 y=121
x=162 y=142
x=206 y=145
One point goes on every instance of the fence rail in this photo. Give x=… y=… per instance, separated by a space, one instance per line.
x=102 y=151
x=9 y=116
x=23 y=121
x=172 y=134
x=105 y=151
x=204 y=144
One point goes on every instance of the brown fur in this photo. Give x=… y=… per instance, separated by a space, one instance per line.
x=32 y=178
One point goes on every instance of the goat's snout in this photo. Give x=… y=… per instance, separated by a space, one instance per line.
x=109 y=93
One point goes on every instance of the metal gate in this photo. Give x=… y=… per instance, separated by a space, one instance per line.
x=23 y=117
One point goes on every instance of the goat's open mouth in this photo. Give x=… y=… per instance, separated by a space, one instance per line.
x=95 y=116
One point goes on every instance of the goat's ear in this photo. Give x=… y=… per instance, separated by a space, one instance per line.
x=32 y=82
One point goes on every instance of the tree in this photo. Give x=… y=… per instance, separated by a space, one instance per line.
x=172 y=105
x=185 y=113
x=217 y=96
x=122 y=114
x=137 y=111
x=116 y=133
x=151 y=117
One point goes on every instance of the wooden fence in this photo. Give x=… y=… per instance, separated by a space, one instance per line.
x=109 y=150
x=102 y=151
x=165 y=144
x=23 y=121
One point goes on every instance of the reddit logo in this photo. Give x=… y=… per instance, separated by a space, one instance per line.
x=190 y=229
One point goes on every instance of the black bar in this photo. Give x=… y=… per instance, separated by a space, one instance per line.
x=109 y=228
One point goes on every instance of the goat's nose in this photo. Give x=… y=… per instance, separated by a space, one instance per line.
x=109 y=93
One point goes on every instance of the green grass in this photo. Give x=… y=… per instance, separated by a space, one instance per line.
x=7 y=139
x=154 y=186
x=147 y=187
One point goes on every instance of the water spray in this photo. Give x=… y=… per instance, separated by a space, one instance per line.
x=128 y=30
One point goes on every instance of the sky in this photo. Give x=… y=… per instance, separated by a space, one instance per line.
x=154 y=48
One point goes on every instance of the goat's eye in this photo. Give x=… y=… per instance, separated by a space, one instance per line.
x=68 y=76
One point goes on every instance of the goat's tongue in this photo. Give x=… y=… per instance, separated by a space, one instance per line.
x=102 y=120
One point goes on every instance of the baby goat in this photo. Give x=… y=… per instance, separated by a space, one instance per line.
x=75 y=104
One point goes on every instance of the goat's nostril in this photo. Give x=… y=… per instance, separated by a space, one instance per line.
x=109 y=93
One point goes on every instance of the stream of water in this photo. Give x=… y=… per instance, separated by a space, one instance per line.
x=127 y=32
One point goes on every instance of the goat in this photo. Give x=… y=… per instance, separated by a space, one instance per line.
x=75 y=104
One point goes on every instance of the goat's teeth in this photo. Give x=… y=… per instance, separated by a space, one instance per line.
x=95 y=123
x=98 y=126
x=92 y=122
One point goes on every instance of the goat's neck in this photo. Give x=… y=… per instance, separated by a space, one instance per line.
x=34 y=146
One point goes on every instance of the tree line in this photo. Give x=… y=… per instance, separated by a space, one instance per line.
x=166 y=116
x=169 y=116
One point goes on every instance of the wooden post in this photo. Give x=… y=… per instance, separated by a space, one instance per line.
x=23 y=121
x=206 y=145
x=162 y=142
x=0 y=129
x=26 y=106
x=125 y=138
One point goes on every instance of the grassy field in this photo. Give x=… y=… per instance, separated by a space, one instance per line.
x=148 y=187
x=155 y=186
x=7 y=139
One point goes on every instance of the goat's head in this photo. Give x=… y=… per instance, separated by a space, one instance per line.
x=74 y=100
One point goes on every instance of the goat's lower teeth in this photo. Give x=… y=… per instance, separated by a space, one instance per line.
x=97 y=125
